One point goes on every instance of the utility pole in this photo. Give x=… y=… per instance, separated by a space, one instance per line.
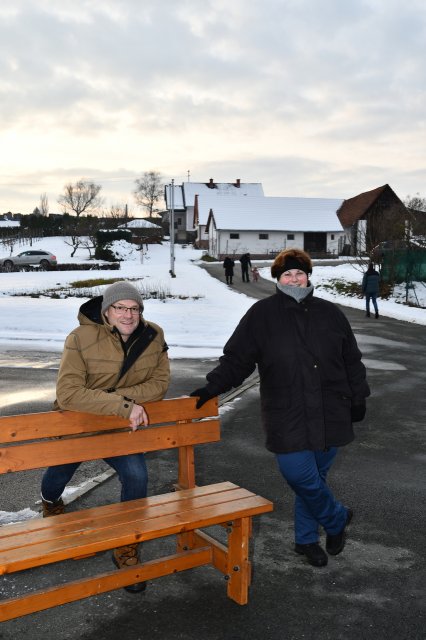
x=172 y=229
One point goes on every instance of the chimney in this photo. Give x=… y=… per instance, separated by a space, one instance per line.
x=196 y=217
x=238 y=183
x=211 y=184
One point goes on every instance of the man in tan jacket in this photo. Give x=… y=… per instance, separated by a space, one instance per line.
x=112 y=364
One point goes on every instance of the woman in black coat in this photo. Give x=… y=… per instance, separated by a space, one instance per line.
x=228 y=265
x=312 y=388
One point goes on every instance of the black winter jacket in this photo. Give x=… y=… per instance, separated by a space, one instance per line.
x=310 y=371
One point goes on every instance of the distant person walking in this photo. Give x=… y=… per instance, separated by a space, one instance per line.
x=228 y=265
x=370 y=289
x=245 y=264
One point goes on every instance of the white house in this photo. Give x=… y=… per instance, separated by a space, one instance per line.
x=143 y=230
x=10 y=224
x=263 y=226
x=186 y=216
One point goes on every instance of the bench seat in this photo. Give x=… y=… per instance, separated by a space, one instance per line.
x=84 y=533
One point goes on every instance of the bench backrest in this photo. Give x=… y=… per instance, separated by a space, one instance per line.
x=38 y=440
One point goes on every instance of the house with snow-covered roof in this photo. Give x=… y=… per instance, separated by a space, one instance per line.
x=9 y=224
x=265 y=226
x=183 y=199
x=373 y=216
x=143 y=231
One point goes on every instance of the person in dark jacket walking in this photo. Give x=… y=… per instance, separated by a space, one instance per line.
x=312 y=388
x=370 y=288
x=228 y=265
x=245 y=264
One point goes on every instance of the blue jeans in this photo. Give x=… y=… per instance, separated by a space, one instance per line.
x=373 y=298
x=306 y=472
x=131 y=470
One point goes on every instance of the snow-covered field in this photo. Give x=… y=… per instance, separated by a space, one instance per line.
x=197 y=319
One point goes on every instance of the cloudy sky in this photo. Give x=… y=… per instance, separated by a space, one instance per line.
x=310 y=97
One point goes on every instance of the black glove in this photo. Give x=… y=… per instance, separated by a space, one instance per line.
x=203 y=396
x=358 y=412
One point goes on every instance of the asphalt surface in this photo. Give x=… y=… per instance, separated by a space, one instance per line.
x=374 y=590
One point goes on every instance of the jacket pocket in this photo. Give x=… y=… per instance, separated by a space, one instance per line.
x=277 y=398
x=337 y=406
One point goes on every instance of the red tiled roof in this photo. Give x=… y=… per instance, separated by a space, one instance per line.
x=354 y=208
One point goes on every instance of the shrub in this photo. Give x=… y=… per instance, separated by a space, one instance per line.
x=104 y=253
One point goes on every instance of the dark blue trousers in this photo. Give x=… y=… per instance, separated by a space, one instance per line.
x=315 y=505
x=131 y=470
x=373 y=298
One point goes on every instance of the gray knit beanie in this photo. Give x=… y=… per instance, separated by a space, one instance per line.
x=120 y=290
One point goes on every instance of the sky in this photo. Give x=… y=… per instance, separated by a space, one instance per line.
x=311 y=98
x=197 y=318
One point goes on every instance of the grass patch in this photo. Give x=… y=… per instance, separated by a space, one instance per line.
x=93 y=282
x=90 y=288
x=344 y=288
x=354 y=290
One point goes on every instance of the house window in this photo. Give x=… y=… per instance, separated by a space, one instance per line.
x=332 y=236
x=290 y=236
x=263 y=236
x=234 y=236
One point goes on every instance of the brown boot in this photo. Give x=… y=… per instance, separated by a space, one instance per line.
x=127 y=556
x=52 y=508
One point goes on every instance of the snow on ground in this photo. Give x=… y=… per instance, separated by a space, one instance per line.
x=197 y=320
x=393 y=308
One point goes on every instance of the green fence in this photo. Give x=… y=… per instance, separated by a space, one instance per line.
x=404 y=265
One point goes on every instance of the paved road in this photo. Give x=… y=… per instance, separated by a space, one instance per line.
x=375 y=590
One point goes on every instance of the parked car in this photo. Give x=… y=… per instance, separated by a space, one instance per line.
x=31 y=257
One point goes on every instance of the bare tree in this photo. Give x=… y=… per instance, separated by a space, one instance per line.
x=417 y=203
x=417 y=206
x=81 y=197
x=44 y=205
x=118 y=212
x=149 y=190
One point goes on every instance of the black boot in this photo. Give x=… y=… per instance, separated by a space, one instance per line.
x=376 y=314
x=367 y=314
x=336 y=543
x=315 y=555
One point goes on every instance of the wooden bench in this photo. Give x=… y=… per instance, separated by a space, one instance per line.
x=31 y=442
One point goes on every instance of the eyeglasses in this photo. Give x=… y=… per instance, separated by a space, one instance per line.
x=120 y=310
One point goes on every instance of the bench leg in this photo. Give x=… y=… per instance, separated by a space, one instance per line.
x=239 y=568
x=185 y=541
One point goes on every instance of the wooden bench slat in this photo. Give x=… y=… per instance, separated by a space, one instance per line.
x=140 y=510
x=86 y=587
x=95 y=541
x=39 y=524
x=31 y=426
x=57 y=451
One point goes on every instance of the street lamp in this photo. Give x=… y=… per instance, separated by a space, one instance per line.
x=172 y=229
